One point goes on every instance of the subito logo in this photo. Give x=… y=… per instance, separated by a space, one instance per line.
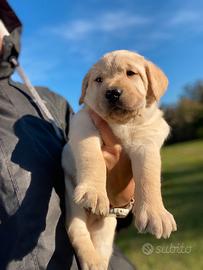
x=147 y=249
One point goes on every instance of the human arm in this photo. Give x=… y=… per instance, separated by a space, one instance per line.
x=120 y=183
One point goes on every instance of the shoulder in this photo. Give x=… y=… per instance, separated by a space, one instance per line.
x=55 y=103
x=45 y=93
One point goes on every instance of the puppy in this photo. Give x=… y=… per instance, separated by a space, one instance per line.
x=123 y=88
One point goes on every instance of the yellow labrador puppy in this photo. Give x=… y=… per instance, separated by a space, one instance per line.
x=123 y=88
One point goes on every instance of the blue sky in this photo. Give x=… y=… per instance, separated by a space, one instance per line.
x=62 y=39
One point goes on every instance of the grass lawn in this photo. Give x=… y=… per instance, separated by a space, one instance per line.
x=182 y=190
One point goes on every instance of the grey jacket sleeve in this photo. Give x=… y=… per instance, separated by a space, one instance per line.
x=32 y=232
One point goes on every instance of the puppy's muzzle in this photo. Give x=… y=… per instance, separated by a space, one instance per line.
x=113 y=96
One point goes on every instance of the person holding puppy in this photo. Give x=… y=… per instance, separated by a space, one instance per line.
x=32 y=230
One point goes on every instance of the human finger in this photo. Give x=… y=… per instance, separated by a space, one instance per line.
x=106 y=133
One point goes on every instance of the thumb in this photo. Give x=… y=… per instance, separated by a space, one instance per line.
x=111 y=155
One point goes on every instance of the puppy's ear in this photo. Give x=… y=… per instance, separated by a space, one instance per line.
x=84 y=88
x=157 y=82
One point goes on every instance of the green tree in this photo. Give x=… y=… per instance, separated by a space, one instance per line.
x=186 y=117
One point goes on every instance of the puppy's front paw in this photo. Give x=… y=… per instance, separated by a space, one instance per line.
x=155 y=220
x=92 y=199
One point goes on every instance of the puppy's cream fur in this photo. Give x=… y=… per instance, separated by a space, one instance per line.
x=139 y=124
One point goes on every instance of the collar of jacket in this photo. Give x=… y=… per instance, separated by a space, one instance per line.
x=11 y=43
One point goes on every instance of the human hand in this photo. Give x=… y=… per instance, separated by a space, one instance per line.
x=120 y=182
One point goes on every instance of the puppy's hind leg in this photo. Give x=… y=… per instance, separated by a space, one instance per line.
x=76 y=225
x=102 y=233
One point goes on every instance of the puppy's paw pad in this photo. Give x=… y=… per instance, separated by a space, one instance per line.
x=92 y=199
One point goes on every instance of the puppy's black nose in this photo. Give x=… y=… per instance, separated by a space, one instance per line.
x=113 y=95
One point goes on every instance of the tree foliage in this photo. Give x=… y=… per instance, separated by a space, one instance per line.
x=186 y=117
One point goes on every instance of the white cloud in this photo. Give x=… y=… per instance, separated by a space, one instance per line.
x=106 y=23
x=186 y=17
x=74 y=30
x=120 y=20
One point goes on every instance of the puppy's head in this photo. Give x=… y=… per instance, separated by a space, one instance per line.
x=121 y=84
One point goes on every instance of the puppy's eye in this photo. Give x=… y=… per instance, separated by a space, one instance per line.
x=99 y=80
x=130 y=73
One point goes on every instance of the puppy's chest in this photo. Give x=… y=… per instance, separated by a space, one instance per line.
x=128 y=134
x=133 y=135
